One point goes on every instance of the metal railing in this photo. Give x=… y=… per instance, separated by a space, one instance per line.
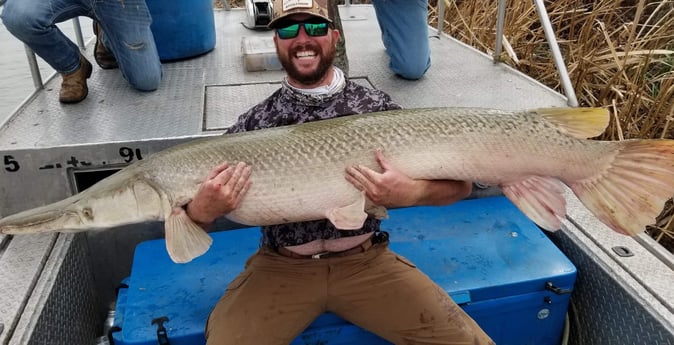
x=565 y=80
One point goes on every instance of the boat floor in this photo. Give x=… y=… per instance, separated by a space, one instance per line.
x=205 y=94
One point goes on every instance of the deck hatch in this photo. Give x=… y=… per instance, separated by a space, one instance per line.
x=224 y=103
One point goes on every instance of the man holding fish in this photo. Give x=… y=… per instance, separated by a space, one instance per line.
x=305 y=269
x=322 y=249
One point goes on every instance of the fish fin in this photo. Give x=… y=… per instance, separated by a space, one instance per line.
x=349 y=217
x=379 y=212
x=632 y=191
x=376 y=211
x=577 y=122
x=539 y=198
x=185 y=240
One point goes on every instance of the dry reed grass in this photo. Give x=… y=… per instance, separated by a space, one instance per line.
x=619 y=55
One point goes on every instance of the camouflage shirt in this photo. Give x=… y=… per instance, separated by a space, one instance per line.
x=287 y=106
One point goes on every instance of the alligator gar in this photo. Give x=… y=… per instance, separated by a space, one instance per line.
x=298 y=172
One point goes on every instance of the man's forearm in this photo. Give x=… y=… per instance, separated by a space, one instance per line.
x=442 y=192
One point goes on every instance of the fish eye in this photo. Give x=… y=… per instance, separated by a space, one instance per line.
x=88 y=212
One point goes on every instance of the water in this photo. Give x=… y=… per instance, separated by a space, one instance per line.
x=16 y=83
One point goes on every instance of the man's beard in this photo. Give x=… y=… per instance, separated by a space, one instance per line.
x=311 y=78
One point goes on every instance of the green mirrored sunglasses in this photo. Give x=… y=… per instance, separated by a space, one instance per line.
x=312 y=29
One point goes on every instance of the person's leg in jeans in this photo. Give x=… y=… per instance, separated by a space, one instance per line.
x=34 y=23
x=127 y=34
x=404 y=27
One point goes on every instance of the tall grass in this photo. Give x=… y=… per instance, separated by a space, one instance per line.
x=619 y=55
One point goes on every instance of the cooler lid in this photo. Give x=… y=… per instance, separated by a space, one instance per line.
x=479 y=249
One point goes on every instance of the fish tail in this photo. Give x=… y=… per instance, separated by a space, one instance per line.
x=632 y=191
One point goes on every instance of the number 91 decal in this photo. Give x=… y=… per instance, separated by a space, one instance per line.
x=130 y=154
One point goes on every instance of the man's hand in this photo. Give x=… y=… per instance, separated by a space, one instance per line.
x=392 y=188
x=220 y=193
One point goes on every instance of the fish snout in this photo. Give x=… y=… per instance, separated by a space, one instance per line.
x=28 y=222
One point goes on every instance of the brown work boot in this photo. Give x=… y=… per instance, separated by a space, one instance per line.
x=102 y=55
x=74 y=86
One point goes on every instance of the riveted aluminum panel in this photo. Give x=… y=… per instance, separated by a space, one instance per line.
x=617 y=300
x=21 y=263
x=62 y=307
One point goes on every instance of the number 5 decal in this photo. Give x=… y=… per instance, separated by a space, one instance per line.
x=11 y=164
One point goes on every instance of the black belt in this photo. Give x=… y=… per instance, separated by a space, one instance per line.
x=367 y=244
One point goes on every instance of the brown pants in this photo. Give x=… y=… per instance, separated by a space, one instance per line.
x=275 y=298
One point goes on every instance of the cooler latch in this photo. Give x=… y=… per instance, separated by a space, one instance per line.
x=556 y=289
x=162 y=337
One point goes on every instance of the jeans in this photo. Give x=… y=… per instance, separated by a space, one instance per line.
x=127 y=34
x=404 y=28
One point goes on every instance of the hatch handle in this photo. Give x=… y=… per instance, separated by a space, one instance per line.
x=556 y=289
x=162 y=337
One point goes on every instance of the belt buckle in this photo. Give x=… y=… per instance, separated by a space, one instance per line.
x=319 y=255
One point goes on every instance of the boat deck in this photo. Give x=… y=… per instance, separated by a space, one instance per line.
x=207 y=93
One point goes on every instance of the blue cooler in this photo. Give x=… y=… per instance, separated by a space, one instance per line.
x=182 y=28
x=490 y=258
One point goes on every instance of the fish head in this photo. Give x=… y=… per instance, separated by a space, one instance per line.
x=104 y=205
